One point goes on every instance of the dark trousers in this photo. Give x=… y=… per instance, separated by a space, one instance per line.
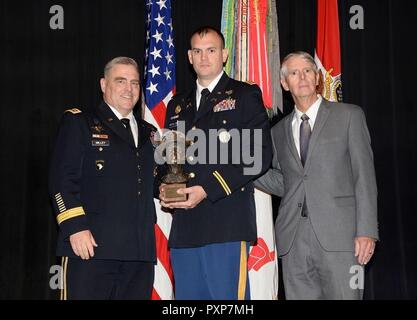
x=106 y=279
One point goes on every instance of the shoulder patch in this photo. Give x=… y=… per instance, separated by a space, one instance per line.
x=73 y=110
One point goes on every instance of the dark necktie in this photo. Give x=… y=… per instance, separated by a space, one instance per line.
x=126 y=123
x=305 y=133
x=204 y=95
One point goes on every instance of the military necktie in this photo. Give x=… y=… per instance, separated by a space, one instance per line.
x=204 y=95
x=126 y=123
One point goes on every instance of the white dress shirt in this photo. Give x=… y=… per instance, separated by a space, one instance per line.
x=132 y=121
x=296 y=121
x=210 y=87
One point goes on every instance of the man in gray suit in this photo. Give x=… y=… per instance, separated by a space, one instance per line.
x=323 y=169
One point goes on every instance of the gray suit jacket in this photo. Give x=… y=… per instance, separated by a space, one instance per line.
x=338 y=180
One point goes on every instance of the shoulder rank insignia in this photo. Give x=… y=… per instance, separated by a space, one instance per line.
x=250 y=82
x=73 y=110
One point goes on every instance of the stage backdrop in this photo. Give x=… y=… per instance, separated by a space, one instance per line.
x=45 y=71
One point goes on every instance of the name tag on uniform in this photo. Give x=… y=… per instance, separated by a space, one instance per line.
x=100 y=136
x=100 y=140
x=100 y=143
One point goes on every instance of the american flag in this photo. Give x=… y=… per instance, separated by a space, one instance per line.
x=159 y=87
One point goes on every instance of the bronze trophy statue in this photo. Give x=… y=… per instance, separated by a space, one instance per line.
x=175 y=144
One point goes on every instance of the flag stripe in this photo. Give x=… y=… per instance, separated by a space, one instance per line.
x=162 y=284
x=164 y=256
x=155 y=295
x=158 y=112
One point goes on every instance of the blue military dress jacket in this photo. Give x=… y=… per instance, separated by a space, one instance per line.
x=228 y=213
x=100 y=181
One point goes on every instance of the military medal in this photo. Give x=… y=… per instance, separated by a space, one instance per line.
x=224 y=136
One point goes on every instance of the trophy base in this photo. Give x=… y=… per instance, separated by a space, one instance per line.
x=171 y=195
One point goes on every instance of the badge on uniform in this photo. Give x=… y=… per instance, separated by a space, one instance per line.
x=177 y=109
x=99 y=165
x=97 y=128
x=99 y=139
x=100 y=136
x=100 y=142
x=224 y=105
x=224 y=136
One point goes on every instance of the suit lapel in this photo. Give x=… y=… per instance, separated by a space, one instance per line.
x=290 y=139
x=109 y=118
x=322 y=115
x=215 y=96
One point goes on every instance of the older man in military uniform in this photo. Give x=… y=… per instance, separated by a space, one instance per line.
x=212 y=230
x=101 y=183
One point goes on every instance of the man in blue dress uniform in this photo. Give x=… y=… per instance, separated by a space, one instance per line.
x=212 y=230
x=101 y=184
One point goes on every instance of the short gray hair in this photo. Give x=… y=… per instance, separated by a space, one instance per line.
x=301 y=54
x=120 y=60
